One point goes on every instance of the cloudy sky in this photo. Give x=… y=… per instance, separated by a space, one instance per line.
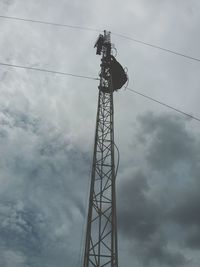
x=47 y=131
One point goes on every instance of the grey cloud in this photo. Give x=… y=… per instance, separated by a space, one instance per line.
x=151 y=207
x=138 y=214
x=6 y=3
x=186 y=210
x=156 y=251
x=193 y=239
x=161 y=255
x=32 y=236
x=19 y=228
x=141 y=220
x=12 y=258
x=169 y=140
x=186 y=215
x=44 y=169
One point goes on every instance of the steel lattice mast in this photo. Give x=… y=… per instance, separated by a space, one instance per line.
x=101 y=233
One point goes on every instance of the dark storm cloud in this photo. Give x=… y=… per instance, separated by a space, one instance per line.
x=138 y=215
x=170 y=142
x=155 y=252
x=150 y=205
x=40 y=170
x=186 y=214
x=21 y=227
x=30 y=232
x=140 y=220
x=173 y=147
x=187 y=208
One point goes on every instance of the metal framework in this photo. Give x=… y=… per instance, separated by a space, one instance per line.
x=101 y=233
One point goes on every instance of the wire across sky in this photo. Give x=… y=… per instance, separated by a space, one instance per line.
x=165 y=105
x=98 y=30
x=47 y=71
x=51 y=23
x=94 y=78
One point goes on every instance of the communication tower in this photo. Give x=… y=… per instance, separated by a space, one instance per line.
x=101 y=233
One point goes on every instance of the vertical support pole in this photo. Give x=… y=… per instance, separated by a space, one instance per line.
x=101 y=233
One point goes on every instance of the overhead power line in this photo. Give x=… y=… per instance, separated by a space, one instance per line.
x=157 y=47
x=51 y=23
x=47 y=71
x=98 y=30
x=93 y=78
x=165 y=105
